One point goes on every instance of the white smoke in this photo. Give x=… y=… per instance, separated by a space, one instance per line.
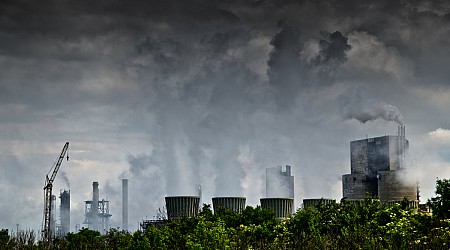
x=357 y=104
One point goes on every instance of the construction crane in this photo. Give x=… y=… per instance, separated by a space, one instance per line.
x=46 y=231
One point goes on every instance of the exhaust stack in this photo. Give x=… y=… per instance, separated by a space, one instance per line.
x=94 y=207
x=125 y=204
x=401 y=146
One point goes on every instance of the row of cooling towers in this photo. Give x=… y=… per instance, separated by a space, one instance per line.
x=179 y=206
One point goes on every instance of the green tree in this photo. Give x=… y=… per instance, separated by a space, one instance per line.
x=158 y=237
x=440 y=204
x=139 y=241
x=5 y=242
x=116 y=239
x=84 y=239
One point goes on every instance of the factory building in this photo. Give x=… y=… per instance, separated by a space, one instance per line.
x=64 y=212
x=97 y=212
x=279 y=182
x=378 y=169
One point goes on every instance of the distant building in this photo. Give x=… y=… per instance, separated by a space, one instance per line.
x=378 y=169
x=279 y=182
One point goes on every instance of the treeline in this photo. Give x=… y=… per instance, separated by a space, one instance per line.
x=346 y=225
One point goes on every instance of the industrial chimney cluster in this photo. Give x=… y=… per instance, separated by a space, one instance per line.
x=97 y=211
x=377 y=169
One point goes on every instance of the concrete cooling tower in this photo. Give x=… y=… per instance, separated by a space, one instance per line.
x=236 y=204
x=281 y=206
x=179 y=206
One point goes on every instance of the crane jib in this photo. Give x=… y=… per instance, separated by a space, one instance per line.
x=46 y=231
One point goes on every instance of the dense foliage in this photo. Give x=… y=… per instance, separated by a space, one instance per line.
x=347 y=225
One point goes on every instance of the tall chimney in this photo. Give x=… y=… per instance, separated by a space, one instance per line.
x=125 y=204
x=401 y=146
x=94 y=207
x=65 y=211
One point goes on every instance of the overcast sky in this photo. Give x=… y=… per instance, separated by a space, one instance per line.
x=171 y=94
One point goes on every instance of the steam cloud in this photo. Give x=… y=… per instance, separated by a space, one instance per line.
x=357 y=104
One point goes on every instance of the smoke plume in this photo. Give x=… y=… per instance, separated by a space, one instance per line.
x=357 y=104
x=64 y=178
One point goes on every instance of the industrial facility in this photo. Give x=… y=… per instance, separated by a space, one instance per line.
x=97 y=212
x=378 y=169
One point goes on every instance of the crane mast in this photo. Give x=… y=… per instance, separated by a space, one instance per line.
x=46 y=231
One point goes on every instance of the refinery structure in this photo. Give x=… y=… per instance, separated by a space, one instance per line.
x=97 y=211
x=377 y=169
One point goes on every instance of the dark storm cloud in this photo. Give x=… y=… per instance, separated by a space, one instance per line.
x=333 y=49
x=332 y=53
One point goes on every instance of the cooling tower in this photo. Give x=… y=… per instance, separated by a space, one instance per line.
x=125 y=204
x=64 y=212
x=313 y=203
x=394 y=186
x=236 y=204
x=179 y=206
x=281 y=206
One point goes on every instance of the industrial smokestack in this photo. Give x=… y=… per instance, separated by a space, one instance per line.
x=94 y=207
x=401 y=146
x=125 y=204
x=64 y=212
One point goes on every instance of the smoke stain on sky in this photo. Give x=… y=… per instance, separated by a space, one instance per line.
x=171 y=94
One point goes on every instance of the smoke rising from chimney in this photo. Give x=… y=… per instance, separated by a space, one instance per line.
x=357 y=104
x=64 y=178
